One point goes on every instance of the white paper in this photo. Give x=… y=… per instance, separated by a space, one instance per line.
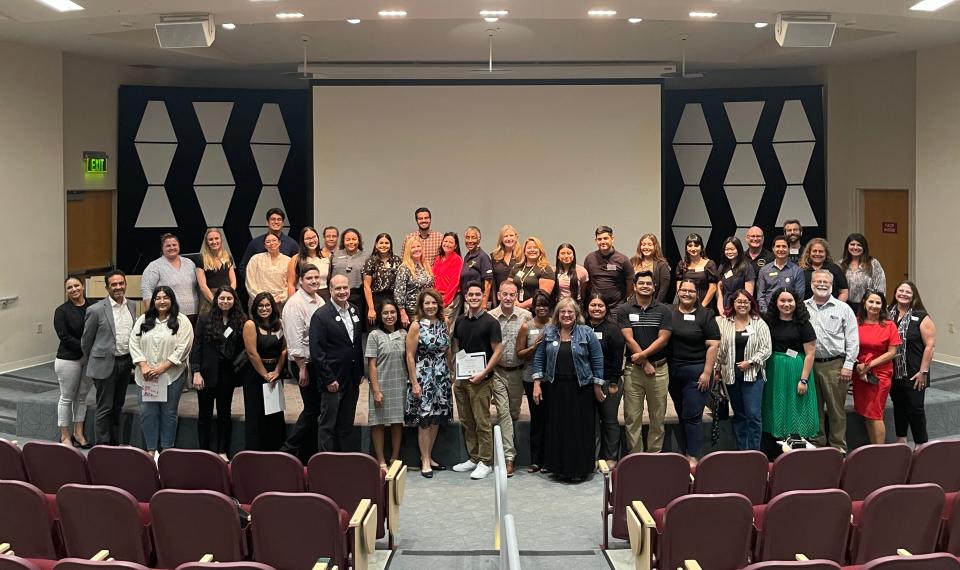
x=273 y=397
x=598 y=334
x=156 y=390
x=470 y=364
x=227 y=332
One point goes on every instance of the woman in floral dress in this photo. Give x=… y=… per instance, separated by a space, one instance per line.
x=429 y=396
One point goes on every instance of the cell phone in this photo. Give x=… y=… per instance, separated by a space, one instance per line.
x=872 y=379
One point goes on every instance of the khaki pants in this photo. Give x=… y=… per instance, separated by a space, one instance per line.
x=507 y=395
x=832 y=393
x=637 y=386
x=473 y=405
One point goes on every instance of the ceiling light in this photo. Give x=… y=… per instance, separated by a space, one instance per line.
x=228 y=26
x=703 y=14
x=759 y=25
x=491 y=19
x=493 y=13
x=930 y=5
x=353 y=21
x=62 y=5
x=634 y=20
x=289 y=15
x=392 y=13
x=602 y=13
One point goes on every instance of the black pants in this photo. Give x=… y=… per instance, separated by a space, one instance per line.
x=262 y=433
x=908 y=410
x=335 y=423
x=111 y=394
x=303 y=439
x=222 y=394
x=538 y=422
x=608 y=436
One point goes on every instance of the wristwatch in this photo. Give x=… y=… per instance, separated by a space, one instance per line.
x=802 y=381
x=925 y=373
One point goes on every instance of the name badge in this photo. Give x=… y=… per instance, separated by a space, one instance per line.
x=728 y=274
x=773 y=274
x=748 y=331
x=634 y=317
x=533 y=332
x=786 y=280
x=279 y=333
x=556 y=343
x=598 y=334
x=613 y=267
x=356 y=319
x=914 y=318
x=337 y=318
x=227 y=332
x=792 y=353
x=794 y=252
x=689 y=317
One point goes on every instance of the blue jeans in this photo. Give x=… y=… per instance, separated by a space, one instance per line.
x=158 y=420
x=689 y=402
x=746 y=399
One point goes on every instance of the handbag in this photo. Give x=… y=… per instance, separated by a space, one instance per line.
x=240 y=360
x=719 y=404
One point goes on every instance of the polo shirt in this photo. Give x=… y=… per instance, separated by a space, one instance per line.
x=477 y=334
x=476 y=267
x=646 y=324
x=609 y=275
x=765 y=257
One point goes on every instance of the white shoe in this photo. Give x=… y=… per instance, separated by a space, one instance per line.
x=465 y=466
x=481 y=471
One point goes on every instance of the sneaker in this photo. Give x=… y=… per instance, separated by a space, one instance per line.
x=481 y=471
x=465 y=466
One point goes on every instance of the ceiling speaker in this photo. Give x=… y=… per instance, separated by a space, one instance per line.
x=804 y=30
x=186 y=31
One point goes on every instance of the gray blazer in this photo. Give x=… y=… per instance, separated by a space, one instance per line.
x=99 y=337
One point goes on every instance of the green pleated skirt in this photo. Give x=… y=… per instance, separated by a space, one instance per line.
x=784 y=412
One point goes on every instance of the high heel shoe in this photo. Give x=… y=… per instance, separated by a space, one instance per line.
x=427 y=474
x=76 y=443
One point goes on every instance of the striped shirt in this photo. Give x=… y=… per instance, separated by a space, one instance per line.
x=837 y=331
x=509 y=329
x=645 y=323
x=758 y=349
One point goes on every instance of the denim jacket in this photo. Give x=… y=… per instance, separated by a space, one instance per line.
x=587 y=355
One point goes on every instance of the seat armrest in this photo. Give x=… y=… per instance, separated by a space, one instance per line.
x=206 y=558
x=604 y=467
x=640 y=526
x=363 y=533
x=396 y=486
x=691 y=565
x=4 y=547
x=801 y=557
x=100 y=556
x=903 y=552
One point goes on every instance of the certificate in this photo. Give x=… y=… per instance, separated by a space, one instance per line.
x=470 y=364
x=156 y=390
x=273 y=397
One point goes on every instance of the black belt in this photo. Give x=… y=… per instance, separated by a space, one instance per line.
x=510 y=368
x=828 y=359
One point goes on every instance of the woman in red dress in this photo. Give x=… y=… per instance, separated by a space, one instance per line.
x=879 y=339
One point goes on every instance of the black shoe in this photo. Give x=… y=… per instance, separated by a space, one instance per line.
x=427 y=474
x=76 y=443
x=438 y=467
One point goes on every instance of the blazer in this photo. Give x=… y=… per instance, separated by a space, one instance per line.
x=333 y=356
x=99 y=337
x=206 y=355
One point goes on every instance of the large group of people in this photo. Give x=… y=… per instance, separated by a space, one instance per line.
x=780 y=333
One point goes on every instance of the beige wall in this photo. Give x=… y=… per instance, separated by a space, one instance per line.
x=31 y=155
x=938 y=195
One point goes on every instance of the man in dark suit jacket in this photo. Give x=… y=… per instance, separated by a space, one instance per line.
x=106 y=345
x=336 y=365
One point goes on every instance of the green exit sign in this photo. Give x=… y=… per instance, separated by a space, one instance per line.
x=95 y=162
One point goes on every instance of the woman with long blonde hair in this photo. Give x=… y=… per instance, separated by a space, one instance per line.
x=504 y=256
x=217 y=267
x=414 y=276
x=532 y=272
x=650 y=258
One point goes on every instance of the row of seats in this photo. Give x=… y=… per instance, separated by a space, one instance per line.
x=903 y=560
x=346 y=478
x=289 y=531
x=656 y=479
x=102 y=561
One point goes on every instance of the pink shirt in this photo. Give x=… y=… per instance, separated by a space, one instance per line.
x=446 y=276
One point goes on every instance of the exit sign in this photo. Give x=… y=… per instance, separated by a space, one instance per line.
x=94 y=162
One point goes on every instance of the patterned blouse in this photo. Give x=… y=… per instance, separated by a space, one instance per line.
x=408 y=286
x=859 y=282
x=384 y=273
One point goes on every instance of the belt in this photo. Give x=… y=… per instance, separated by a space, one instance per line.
x=828 y=359
x=660 y=362
x=509 y=368
x=127 y=356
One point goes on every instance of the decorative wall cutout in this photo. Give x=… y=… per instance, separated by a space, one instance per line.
x=156 y=211
x=692 y=159
x=155 y=124
x=213 y=117
x=156 y=160
x=744 y=117
x=693 y=127
x=270 y=126
x=793 y=124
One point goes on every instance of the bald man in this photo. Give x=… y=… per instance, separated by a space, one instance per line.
x=755 y=250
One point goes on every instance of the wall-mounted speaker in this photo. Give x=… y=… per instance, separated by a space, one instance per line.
x=186 y=31
x=804 y=30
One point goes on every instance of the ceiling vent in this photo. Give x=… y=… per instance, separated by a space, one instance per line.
x=186 y=30
x=804 y=30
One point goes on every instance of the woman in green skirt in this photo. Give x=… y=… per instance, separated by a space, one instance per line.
x=790 y=398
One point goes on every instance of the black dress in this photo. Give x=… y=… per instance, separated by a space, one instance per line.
x=263 y=433
x=571 y=421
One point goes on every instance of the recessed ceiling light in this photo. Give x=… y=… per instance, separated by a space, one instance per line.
x=62 y=5
x=601 y=13
x=634 y=20
x=289 y=15
x=228 y=26
x=493 y=13
x=931 y=5
x=761 y=25
x=491 y=19
x=392 y=13
x=703 y=14
x=353 y=21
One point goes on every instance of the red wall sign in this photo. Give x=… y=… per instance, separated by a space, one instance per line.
x=889 y=227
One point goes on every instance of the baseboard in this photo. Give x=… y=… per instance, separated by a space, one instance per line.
x=26 y=362
x=947 y=359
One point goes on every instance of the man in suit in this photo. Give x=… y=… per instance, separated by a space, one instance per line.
x=336 y=363
x=106 y=344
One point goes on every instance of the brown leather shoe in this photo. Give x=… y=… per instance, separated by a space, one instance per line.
x=509 y=468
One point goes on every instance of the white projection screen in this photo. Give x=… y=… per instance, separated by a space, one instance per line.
x=555 y=161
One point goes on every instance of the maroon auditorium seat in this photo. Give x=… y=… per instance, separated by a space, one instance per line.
x=721 y=527
x=794 y=565
x=256 y=472
x=84 y=564
x=896 y=516
x=190 y=524
x=939 y=561
x=11 y=462
x=27 y=523
x=812 y=522
x=348 y=478
x=950 y=535
x=194 y=469
x=11 y=562
x=292 y=530
x=53 y=465
x=245 y=565
x=743 y=472
x=936 y=462
x=97 y=517
x=870 y=467
x=802 y=469
x=129 y=468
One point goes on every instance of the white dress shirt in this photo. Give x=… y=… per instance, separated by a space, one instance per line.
x=123 y=324
x=297 y=313
x=838 y=333
x=346 y=316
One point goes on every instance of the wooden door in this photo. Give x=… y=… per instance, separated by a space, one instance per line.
x=886 y=225
x=89 y=231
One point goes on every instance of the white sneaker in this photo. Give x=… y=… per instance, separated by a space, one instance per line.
x=465 y=466
x=481 y=471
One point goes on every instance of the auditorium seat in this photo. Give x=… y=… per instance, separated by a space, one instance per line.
x=654 y=478
x=894 y=517
x=714 y=530
x=396 y=480
x=27 y=524
x=129 y=468
x=245 y=565
x=348 y=478
x=870 y=467
x=292 y=530
x=97 y=517
x=256 y=472
x=936 y=462
x=950 y=534
x=815 y=564
x=189 y=524
x=53 y=465
x=13 y=562
x=799 y=469
x=814 y=522
x=194 y=470
x=11 y=462
x=85 y=564
x=743 y=472
x=938 y=561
